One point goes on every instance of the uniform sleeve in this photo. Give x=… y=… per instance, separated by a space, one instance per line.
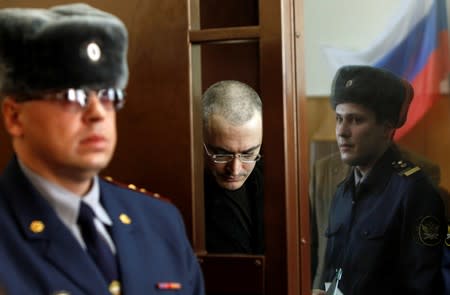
x=195 y=279
x=423 y=226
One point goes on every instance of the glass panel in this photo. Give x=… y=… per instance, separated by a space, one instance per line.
x=426 y=145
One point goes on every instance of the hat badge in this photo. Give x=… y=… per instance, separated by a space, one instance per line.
x=93 y=51
x=348 y=83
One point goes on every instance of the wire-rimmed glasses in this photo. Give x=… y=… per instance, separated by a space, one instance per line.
x=226 y=158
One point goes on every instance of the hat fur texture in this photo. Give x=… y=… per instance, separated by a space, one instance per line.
x=377 y=89
x=66 y=46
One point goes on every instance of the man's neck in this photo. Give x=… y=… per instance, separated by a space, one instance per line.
x=366 y=168
x=79 y=185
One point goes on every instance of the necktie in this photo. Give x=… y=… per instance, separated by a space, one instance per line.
x=96 y=245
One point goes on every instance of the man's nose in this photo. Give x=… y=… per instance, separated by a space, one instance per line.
x=342 y=130
x=94 y=109
x=235 y=166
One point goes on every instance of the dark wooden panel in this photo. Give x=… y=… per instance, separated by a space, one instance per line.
x=283 y=158
x=229 y=13
x=225 y=34
x=233 y=274
x=154 y=147
x=230 y=61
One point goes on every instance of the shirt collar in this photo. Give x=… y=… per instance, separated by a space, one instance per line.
x=65 y=203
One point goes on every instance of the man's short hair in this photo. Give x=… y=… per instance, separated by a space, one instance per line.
x=235 y=101
x=377 y=89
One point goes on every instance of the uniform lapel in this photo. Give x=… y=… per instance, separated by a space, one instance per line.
x=66 y=254
x=126 y=234
x=46 y=234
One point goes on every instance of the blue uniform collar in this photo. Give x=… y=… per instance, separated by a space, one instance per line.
x=378 y=176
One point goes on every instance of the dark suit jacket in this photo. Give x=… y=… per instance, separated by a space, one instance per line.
x=227 y=230
x=153 y=248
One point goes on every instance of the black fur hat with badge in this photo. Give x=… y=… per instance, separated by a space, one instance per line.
x=65 y=46
x=377 y=89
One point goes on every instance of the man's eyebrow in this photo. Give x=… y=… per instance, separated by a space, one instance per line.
x=345 y=114
x=224 y=151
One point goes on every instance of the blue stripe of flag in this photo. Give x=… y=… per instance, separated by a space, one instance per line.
x=409 y=57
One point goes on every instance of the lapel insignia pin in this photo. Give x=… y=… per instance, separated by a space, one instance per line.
x=37 y=226
x=125 y=219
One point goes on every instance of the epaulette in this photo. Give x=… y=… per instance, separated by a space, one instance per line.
x=135 y=188
x=405 y=168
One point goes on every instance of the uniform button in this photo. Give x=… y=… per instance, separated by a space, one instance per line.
x=353 y=202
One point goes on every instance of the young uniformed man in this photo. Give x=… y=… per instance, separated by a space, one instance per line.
x=63 y=229
x=386 y=220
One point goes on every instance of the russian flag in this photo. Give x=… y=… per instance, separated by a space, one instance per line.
x=415 y=47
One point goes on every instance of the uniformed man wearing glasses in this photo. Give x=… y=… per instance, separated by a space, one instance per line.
x=64 y=230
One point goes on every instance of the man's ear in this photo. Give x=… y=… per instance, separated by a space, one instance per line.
x=11 y=119
x=389 y=129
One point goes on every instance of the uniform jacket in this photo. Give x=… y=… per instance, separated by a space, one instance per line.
x=327 y=173
x=226 y=232
x=387 y=234
x=39 y=255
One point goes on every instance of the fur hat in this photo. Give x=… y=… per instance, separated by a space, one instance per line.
x=377 y=89
x=66 y=46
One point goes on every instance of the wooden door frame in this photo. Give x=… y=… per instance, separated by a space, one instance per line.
x=285 y=139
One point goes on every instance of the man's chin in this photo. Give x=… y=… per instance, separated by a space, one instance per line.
x=348 y=159
x=231 y=185
x=93 y=165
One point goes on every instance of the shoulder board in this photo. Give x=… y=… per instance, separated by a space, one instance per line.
x=133 y=187
x=405 y=168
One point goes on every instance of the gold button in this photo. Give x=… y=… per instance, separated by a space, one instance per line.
x=108 y=178
x=114 y=287
x=37 y=226
x=124 y=218
x=132 y=186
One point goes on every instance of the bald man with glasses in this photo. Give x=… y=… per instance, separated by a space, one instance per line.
x=232 y=133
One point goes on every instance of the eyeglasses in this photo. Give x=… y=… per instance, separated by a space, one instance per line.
x=109 y=97
x=227 y=158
